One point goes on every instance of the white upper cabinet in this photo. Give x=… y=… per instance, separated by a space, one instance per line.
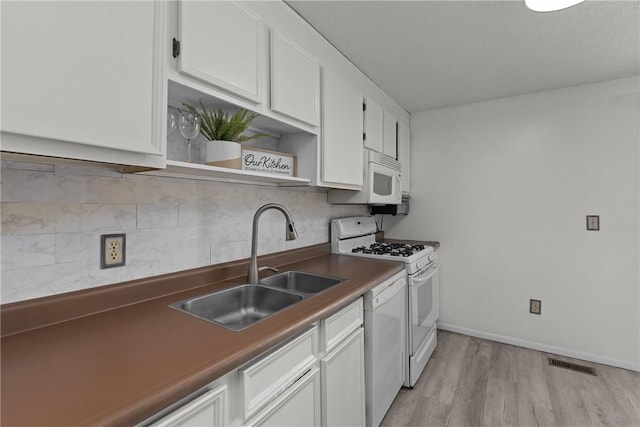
x=379 y=129
x=295 y=80
x=341 y=150
x=404 y=156
x=373 y=126
x=222 y=43
x=389 y=135
x=84 y=80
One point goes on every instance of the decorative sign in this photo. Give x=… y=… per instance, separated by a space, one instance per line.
x=255 y=159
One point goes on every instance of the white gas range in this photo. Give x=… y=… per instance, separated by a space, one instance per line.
x=356 y=237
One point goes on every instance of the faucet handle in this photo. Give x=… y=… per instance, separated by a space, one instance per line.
x=275 y=270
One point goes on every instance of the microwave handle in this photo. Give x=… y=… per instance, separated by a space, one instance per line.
x=398 y=189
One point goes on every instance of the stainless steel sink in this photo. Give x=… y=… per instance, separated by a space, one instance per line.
x=298 y=281
x=239 y=307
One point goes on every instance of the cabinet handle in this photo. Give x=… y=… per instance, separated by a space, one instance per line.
x=290 y=384
x=176 y=48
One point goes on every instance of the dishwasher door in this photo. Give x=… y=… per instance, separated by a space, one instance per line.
x=385 y=320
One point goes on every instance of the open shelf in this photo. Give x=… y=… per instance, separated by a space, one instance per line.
x=183 y=90
x=191 y=93
x=178 y=169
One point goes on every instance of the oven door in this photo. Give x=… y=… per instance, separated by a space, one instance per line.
x=424 y=304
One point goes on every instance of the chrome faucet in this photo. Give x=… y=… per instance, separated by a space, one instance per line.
x=291 y=235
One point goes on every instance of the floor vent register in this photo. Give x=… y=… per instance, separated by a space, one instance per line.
x=572 y=366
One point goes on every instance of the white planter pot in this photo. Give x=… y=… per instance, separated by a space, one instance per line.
x=225 y=154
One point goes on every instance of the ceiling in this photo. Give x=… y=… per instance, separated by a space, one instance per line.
x=432 y=54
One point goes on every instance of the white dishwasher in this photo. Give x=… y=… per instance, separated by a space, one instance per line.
x=384 y=341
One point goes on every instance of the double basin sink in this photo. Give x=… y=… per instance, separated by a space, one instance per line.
x=241 y=306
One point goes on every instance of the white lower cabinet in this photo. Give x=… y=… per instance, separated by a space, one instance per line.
x=314 y=379
x=298 y=406
x=343 y=392
x=209 y=409
x=274 y=374
x=342 y=367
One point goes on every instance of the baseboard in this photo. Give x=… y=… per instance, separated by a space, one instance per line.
x=540 y=347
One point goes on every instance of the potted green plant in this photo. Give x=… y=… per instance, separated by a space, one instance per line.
x=224 y=133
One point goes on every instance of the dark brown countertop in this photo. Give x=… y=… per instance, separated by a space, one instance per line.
x=118 y=354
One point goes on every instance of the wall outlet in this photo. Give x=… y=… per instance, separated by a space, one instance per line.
x=112 y=250
x=535 y=306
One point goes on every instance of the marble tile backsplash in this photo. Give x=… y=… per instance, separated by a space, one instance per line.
x=53 y=216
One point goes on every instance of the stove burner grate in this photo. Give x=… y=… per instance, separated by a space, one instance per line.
x=392 y=249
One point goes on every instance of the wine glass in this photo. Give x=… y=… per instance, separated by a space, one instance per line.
x=189 y=126
x=172 y=122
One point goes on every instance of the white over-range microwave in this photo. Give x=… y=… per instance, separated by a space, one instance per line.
x=381 y=183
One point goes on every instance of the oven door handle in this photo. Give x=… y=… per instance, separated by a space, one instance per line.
x=422 y=278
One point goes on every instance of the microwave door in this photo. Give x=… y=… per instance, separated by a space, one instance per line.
x=383 y=184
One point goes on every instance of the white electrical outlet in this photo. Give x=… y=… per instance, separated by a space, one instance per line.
x=112 y=253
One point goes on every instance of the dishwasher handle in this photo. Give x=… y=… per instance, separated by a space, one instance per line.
x=389 y=292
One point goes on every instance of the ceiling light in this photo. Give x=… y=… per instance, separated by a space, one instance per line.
x=550 y=5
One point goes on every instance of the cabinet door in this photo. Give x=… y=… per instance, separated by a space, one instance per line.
x=404 y=156
x=373 y=126
x=389 y=135
x=221 y=43
x=342 y=160
x=295 y=80
x=299 y=406
x=207 y=410
x=265 y=379
x=337 y=327
x=343 y=392
x=85 y=73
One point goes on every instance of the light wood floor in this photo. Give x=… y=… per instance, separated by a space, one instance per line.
x=474 y=382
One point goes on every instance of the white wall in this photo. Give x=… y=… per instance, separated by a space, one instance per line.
x=505 y=186
x=53 y=216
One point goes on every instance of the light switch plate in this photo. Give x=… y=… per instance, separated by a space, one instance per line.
x=593 y=222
